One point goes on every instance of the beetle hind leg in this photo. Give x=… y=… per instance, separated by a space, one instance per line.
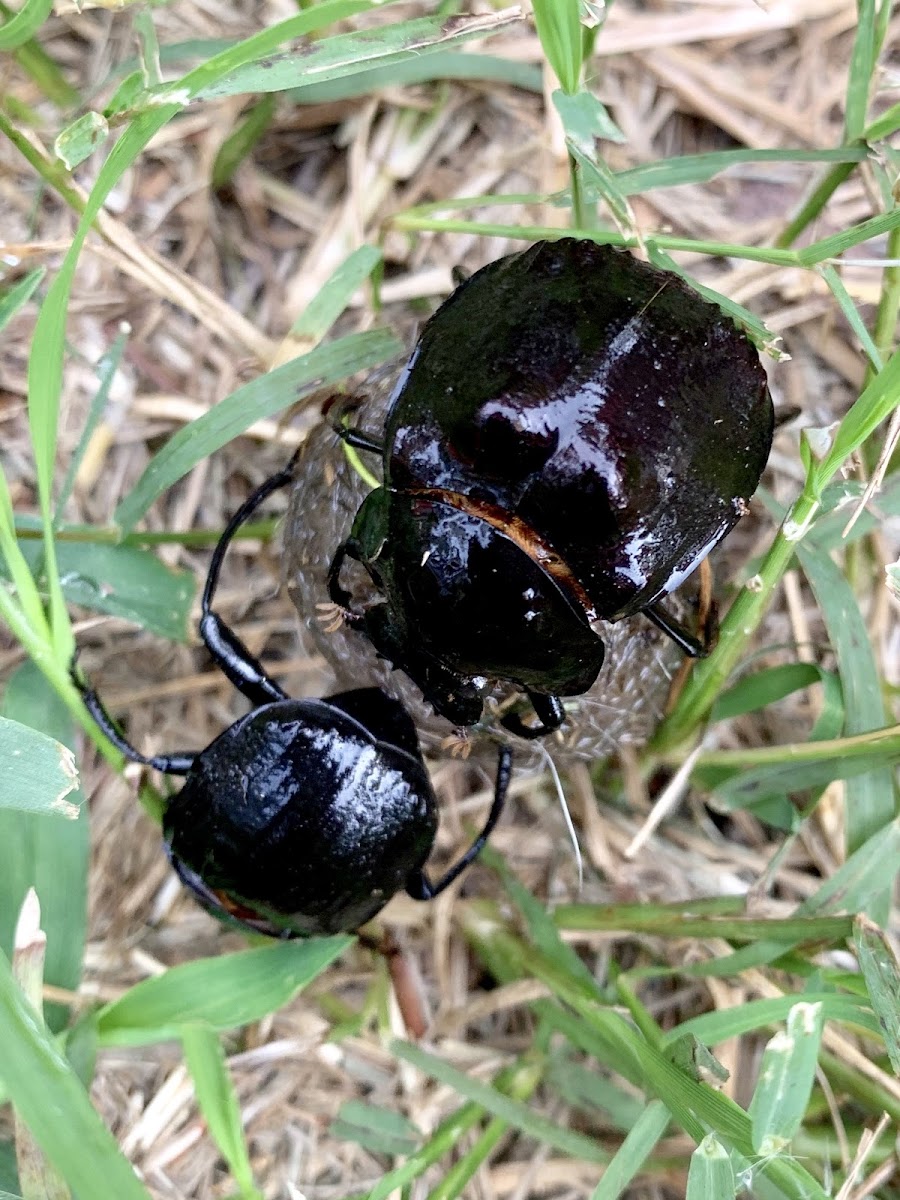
x=169 y=764
x=419 y=886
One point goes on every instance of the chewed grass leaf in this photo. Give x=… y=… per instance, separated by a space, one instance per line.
x=39 y=773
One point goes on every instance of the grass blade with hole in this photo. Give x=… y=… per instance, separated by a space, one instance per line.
x=39 y=773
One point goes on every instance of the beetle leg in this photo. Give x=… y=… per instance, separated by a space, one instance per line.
x=692 y=646
x=338 y=595
x=359 y=440
x=170 y=764
x=548 y=710
x=351 y=436
x=419 y=886
x=229 y=653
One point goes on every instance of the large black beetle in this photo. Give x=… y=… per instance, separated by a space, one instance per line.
x=305 y=816
x=573 y=433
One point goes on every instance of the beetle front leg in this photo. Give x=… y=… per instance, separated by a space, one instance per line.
x=692 y=646
x=419 y=886
x=229 y=653
x=548 y=710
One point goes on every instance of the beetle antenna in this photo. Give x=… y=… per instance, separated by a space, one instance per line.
x=564 y=805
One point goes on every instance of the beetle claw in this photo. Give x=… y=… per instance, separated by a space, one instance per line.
x=458 y=743
x=334 y=616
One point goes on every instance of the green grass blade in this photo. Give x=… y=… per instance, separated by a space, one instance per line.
x=18 y=295
x=884 y=126
x=877 y=402
x=711 y=1173
x=438 y=65
x=765 y=687
x=69 y=1131
x=723 y=1024
x=862 y=68
x=262 y=397
x=39 y=851
x=558 y=24
x=870 y=800
x=701 y=168
x=219 y=1103
x=832 y=247
x=377 y=1129
x=786 y=1079
x=27 y=21
x=638 y=1145
x=223 y=993
x=335 y=294
x=345 y=54
x=126 y=582
x=881 y=971
x=106 y=372
x=240 y=142
x=79 y=140
x=27 y=597
x=851 y=312
x=39 y=773
x=518 y=1114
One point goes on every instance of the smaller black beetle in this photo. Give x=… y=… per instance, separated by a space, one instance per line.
x=305 y=816
x=573 y=433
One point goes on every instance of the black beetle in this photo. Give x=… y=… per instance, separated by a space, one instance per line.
x=573 y=433
x=305 y=816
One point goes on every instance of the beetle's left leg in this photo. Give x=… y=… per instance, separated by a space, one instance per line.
x=231 y=656
x=351 y=436
x=692 y=646
x=548 y=710
x=170 y=764
x=419 y=886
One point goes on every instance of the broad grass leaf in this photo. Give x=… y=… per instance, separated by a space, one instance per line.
x=44 y=852
x=124 y=581
x=223 y=993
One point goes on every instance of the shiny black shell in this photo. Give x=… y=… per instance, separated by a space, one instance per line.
x=305 y=816
x=572 y=435
x=600 y=401
x=473 y=593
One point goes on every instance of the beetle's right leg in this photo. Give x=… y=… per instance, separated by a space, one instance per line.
x=171 y=764
x=692 y=646
x=548 y=710
x=231 y=656
x=419 y=886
